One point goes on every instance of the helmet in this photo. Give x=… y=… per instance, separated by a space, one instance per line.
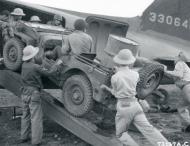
x=57 y=17
x=80 y=24
x=29 y=52
x=124 y=57
x=18 y=12
x=35 y=19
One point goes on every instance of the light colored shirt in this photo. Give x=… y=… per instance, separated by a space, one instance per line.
x=182 y=70
x=78 y=42
x=124 y=83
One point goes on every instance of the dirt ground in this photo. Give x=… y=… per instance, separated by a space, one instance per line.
x=55 y=135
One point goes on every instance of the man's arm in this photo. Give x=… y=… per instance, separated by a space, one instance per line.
x=3 y=24
x=43 y=71
x=177 y=72
x=114 y=85
x=107 y=88
x=66 y=49
x=91 y=44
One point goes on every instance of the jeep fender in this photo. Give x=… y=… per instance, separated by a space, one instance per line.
x=91 y=76
x=27 y=40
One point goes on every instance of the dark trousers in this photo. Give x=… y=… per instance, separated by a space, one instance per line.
x=32 y=117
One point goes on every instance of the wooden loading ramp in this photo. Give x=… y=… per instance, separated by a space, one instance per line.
x=80 y=127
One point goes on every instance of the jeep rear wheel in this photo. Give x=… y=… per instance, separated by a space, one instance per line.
x=77 y=95
x=12 y=54
x=150 y=77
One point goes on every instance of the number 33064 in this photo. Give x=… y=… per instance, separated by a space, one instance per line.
x=169 y=20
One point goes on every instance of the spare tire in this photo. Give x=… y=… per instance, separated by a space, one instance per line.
x=77 y=95
x=12 y=54
x=150 y=77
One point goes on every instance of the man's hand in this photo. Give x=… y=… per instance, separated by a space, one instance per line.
x=165 y=68
x=103 y=87
x=145 y=106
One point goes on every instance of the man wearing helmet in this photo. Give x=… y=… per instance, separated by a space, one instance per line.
x=57 y=19
x=16 y=24
x=32 y=117
x=15 y=21
x=16 y=17
x=129 y=111
x=77 y=42
x=11 y=22
x=35 y=19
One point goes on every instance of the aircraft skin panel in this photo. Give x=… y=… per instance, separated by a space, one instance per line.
x=170 y=17
x=154 y=46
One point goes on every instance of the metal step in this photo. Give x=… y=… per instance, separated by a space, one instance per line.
x=80 y=127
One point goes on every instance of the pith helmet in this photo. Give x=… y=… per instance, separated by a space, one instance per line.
x=29 y=52
x=57 y=17
x=35 y=19
x=124 y=57
x=18 y=12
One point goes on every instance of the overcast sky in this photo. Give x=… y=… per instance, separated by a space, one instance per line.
x=123 y=8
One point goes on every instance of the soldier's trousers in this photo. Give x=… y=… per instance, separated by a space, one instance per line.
x=132 y=113
x=183 y=107
x=32 y=117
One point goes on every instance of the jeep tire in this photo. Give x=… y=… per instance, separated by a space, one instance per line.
x=150 y=77
x=77 y=95
x=12 y=54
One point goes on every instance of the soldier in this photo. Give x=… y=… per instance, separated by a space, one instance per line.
x=32 y=85
x=129 y=111
x=4 y=18
x=57 y=20
x=77 y=42
x=16 y=16
x=15 y=21
x=181 y=75
x=35 y=19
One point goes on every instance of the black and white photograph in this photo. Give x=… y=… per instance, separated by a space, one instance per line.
x=94 y=73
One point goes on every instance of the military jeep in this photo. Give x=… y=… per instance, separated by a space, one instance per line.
x=80 y=76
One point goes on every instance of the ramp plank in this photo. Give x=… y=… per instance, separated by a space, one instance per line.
x=78 y=126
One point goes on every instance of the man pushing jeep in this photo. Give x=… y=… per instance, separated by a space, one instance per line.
x=77 y=42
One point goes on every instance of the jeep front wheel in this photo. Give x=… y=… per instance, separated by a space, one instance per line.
x=12 y=54
x=77 y=95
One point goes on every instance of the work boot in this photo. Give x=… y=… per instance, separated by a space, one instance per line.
x=187 y=129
